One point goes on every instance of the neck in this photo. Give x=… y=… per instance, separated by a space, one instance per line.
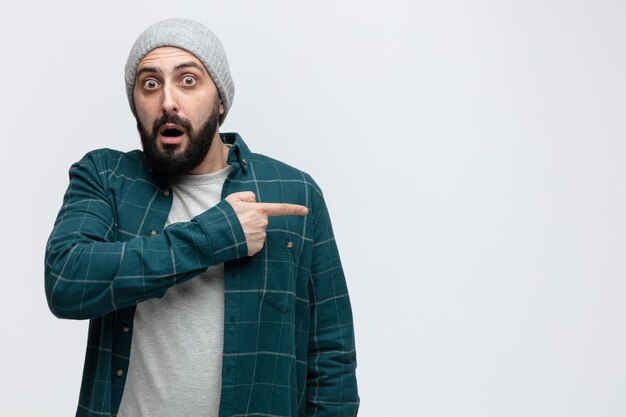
x=215 y=159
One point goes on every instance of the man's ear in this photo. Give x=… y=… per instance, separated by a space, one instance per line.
x=221 y=108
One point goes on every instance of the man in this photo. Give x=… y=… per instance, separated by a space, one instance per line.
x=209 y=273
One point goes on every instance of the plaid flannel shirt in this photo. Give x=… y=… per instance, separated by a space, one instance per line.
x=288 y=333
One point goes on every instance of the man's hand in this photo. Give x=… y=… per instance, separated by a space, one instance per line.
x=254 y=216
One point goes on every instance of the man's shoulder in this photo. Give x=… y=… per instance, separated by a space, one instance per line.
x=113 y=169
x=270 y=169
x=108 y=155
x=106 y=160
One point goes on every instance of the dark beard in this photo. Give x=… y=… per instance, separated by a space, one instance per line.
x=170 y=162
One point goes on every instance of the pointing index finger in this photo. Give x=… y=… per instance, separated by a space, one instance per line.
x=284 y=209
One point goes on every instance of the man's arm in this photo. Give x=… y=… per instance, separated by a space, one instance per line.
x=331 y=380
x=87 y=274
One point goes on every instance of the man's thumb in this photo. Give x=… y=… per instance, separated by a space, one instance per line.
x=245 y=196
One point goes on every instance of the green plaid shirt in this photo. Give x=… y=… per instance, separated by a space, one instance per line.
x=288 y=333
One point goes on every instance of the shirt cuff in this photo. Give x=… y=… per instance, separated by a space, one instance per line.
x=225 y=235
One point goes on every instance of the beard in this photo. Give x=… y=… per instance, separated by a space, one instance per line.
x=171 y=161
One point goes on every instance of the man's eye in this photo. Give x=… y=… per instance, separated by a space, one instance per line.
x=189 y=80
x=150 y=84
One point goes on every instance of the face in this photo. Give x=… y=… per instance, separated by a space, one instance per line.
x=178 y=109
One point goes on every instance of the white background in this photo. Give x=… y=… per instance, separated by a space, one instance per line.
x=471 y=153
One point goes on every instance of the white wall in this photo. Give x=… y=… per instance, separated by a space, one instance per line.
x=471 y=152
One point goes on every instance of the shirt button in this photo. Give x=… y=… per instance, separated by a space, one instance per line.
x=166 y=193
x=125 y=328
x=152 y=233
x=289 y=244
x=119 y=372
x=243 y=162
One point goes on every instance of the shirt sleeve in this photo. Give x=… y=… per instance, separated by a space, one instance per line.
x=88 y=274
x=331 y=378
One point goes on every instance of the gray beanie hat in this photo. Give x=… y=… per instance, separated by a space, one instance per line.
x=193 y=37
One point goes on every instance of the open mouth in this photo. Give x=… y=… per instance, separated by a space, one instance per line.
x=171 y=131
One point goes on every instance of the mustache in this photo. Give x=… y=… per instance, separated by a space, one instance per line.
x=170 y=118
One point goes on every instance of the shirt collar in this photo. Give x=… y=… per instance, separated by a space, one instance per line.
x=238 y=157
x=239 y=154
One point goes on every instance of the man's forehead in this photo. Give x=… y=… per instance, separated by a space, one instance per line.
x=165 y=57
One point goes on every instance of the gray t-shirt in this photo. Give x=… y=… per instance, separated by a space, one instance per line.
x=176 y=353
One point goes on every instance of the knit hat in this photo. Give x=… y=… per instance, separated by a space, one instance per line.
x=193 y=37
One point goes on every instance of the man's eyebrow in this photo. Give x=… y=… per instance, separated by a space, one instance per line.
x=190 y=64
x=148 y=69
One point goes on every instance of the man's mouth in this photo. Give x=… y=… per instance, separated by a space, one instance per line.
x=171 y=130
x=171 y=133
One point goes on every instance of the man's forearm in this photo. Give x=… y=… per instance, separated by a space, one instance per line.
x=331 y=378
x=88 y=275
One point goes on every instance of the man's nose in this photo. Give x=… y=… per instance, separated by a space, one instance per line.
x=170 y=101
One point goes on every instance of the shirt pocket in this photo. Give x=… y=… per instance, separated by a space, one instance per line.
x=277 y=280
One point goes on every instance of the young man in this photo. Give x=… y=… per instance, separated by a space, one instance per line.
x=210 y=273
